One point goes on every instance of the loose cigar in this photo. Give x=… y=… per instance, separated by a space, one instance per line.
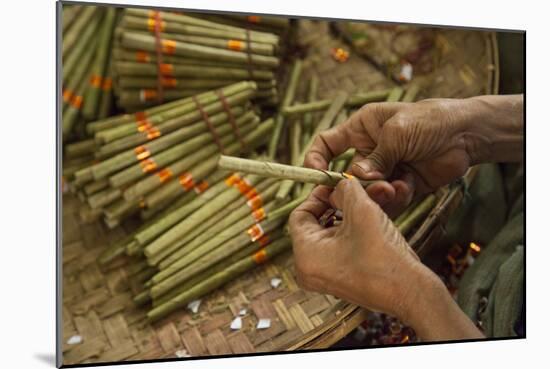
x=104 y=197
x=325 y=123
x=178 y=151
x=395 y=94
x=80 y=72
x=176 y=169
x=313 y=89
x=219 y=279
x=72 y=111
x=96 y=186
x=93 y=93
x=79 y=49
x=126 y=82
x=410 y=93
x=208 y=255
x=73 y=35
x=353 y=101
x=70 y=14
x=282 y=171
x=148 y=43
x=145 y=57
x=417 y=214
x=134 y=69
x=240 y=210
x=81 y=148
x=295 y=136
x=252 y=140
x=287 y=100
x=138 y=153
x=106 y=101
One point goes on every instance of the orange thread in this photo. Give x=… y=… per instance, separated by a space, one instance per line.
x=186 y=181
x=140 y=115
x=147 y=95
x=143 y=57
x=166 y=69
x=260 y=256
x=258 y=214
x=243 y=186
x=144 y=125
x=233 y=179
x=255 y=202
x=107 y=84
x=67 y=95
x=168 y=46
x=169 y=82
x=153 y=133
x=152 y=23
x=255 y=232
x=264 y=240
x=254 y=18
x=235 y=45
x=96 y=81
x=201 y=187
x=148 y=165
x=76 y=101
x=165 y=174
x=142 y=152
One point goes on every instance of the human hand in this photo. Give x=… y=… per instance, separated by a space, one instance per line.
x=415 y=147
x=364 y=260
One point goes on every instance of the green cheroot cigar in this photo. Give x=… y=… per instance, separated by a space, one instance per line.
x=287 y=100
x=210 y=72
x=325 y=123
x=94 y=91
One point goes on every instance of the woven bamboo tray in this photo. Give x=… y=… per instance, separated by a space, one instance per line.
x=97 y=303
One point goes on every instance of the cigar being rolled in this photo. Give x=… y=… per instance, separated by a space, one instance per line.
x=282 y=171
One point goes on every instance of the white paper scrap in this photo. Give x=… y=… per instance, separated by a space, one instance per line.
x=237 y=323
x=263 y=323
x=194 y=306
x=242 y=312
x=275 y=282
x=182 y=353
x=74 y=340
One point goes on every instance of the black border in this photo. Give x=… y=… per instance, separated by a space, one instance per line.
x=59 y=195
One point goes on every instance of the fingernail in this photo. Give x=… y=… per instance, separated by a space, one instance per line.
x=365 y=167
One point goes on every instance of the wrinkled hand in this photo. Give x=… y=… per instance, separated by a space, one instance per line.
x=364 y=260
x=416 y=147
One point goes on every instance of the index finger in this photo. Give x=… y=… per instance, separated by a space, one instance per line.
x=305 y=218
x=327 y=145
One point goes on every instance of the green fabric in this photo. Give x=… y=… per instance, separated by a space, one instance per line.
x=483 y=211
x=492 y=216
x=506 y=297
x=480 y=277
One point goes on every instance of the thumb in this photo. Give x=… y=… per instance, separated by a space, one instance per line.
x=379 y=164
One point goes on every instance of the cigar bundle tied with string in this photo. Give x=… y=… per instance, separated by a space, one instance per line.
x=86 y=50
x=161 y=56
x=146 y=160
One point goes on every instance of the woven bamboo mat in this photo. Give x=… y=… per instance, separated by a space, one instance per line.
x=97 y=303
